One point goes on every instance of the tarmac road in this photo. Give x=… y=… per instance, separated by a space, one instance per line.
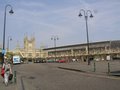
x=47 y=76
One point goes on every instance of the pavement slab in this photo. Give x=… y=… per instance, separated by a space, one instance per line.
x=11 y=85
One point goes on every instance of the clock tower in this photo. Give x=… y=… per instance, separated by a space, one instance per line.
x=29 y=44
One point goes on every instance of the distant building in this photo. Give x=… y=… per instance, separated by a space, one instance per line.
x=97 y=51
x=29 y=52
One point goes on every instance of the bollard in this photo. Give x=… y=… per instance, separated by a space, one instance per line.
x=94 y=66
x=14 y=76
x=108 y=67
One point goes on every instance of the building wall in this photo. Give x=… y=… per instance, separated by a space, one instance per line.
x=29 y=52
x=97 y=51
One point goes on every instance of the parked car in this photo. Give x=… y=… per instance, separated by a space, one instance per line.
x=50 y=61
x=44 y=61
x=61 y=61
x=38 y=61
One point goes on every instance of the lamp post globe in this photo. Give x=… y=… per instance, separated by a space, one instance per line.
x=55 y=38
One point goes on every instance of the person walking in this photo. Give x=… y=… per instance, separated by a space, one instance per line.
x=8 y=71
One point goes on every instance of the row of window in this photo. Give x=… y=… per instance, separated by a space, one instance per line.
x=81 y=52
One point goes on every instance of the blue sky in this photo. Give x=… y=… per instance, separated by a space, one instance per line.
x=47 y=18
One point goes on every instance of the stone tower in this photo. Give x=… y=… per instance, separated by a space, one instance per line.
x=29 y=44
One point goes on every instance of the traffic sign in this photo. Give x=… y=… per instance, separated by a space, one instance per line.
x=3 y=51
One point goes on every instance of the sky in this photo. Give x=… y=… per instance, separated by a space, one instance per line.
x=45 y=19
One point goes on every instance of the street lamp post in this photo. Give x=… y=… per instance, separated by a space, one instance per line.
x=9 y=39
x=11 y=12
x=86 y=15
x=55 y=38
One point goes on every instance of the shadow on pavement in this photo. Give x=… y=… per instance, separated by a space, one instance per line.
x=71 y=69
x=115 y=73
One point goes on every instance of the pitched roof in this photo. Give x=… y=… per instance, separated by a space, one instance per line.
x=83 y=44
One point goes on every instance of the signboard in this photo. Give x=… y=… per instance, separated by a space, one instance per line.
x=16 y=60
x=3 y=51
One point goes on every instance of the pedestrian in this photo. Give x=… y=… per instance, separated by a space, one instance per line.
x=7 y=71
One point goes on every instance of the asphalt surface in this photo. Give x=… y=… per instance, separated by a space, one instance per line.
x=47 y=76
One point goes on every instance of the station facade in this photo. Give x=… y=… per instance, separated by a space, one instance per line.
x=97 y=51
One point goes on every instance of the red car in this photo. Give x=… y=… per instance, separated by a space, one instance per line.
x=61 y=61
